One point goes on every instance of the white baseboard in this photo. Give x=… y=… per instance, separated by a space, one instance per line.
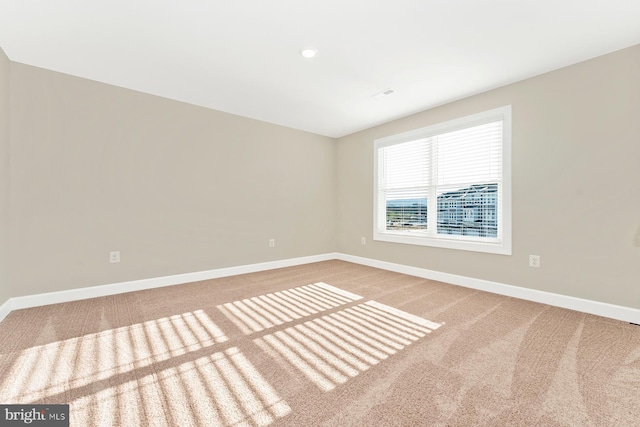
x=157 y=282
x=612 y=311
x=6 y=308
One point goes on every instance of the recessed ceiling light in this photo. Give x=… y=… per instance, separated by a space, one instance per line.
x=309 y=52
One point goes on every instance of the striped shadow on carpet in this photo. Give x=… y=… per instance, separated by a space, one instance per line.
x=330 y=349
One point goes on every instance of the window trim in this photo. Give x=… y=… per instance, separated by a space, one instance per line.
x=503 y=246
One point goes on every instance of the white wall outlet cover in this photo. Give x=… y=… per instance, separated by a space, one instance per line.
x=534 y=260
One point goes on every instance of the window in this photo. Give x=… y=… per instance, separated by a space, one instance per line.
x=447 y=185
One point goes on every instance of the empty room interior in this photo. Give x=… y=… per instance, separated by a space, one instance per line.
x=349 y=213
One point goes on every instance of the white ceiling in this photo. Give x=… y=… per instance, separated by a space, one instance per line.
x=242 y=56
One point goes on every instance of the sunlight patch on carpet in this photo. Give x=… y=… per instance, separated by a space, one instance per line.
x=82 y=361
x=330 y=349
x=266 y=311
x=223 y=388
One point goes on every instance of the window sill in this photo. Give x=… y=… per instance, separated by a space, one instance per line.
x=413 y=238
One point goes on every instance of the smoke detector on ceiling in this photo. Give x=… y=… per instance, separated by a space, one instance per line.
x=383 y=93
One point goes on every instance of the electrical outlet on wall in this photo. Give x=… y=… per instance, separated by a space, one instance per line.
x=534 y=261
x=272 y=243
x=114 y=256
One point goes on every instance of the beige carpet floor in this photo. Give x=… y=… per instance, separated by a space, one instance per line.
x=330 y=343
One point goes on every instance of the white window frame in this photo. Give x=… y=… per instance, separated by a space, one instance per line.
x=499 y=245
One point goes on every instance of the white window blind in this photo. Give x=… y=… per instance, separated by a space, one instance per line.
x=447 y=185
x=405 y=178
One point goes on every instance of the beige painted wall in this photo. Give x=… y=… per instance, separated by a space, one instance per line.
x=5 y=291
x=576 y=172
x=176 y=188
